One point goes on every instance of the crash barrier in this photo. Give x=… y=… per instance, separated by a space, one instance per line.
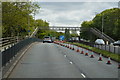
x=10 y=53
x=85 y=52
x=110 y=48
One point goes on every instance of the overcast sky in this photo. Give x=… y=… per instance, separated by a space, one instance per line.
x=71 y=13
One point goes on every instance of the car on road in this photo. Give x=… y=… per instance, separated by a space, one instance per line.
x=47 y=39
x=117 y=43
x=100 y=41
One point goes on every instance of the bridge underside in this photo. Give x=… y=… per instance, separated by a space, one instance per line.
x=56 y=28
x=63 y=28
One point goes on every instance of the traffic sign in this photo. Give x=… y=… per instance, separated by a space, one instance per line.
x=28 y=30
x=62 y=37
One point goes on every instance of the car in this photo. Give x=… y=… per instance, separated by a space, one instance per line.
x=116 y=43
x=47 y=39
x=100 y=41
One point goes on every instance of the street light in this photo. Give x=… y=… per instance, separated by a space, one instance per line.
x=102 y=22
x=119 y=4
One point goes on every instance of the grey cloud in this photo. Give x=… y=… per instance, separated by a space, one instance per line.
x=66 y=13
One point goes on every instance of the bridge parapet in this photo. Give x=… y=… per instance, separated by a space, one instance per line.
x=9 y=55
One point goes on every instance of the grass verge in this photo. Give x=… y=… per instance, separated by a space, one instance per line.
x=113 y=56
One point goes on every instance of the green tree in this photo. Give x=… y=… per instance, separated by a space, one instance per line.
x=17 y=18
x=43 y=28
x=67 y=34
x=110 y=19
x=73 y=33
x=85 y=31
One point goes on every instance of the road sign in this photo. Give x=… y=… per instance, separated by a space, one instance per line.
x=62 y=37
x=28 y=30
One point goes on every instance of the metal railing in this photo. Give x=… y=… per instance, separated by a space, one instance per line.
x=110 y=48
x=9 y=41
x=102 y=35
x=9 y=53
x=34 y=33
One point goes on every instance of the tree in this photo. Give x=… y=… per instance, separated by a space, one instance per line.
x=43 y=28
x=73 y=33
x=67 y=34
x=85 y=31
x=15 y=17
x=111 y=24
x=111 y=18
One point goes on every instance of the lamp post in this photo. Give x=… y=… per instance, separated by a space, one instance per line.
x=102 y=23
x=119 y=4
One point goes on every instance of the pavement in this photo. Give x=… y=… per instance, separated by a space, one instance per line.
x=49 y=60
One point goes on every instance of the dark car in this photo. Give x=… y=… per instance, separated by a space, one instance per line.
x=47 y=39
x=117 y=43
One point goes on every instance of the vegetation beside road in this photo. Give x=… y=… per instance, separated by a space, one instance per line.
x=18 y=19
x=113 y=56
x=109 y=19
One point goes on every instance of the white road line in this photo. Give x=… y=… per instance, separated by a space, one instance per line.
x=71 y=62
x=83 y=75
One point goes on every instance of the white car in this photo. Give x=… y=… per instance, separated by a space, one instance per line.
x=99 y=41
x=47 y=39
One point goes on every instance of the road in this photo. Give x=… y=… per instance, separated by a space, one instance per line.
x=48 y=60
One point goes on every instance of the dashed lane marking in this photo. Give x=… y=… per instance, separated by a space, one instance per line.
x=83 y=75
x=71 y=62
x=65 y=56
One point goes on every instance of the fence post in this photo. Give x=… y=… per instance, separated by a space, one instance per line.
x=109 y=48
x=114 y=49
x=105 y=47
x=102 y=47
x=119 y=51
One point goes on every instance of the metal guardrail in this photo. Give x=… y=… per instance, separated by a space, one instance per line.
x=9 y=53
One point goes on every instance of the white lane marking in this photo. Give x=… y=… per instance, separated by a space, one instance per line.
x=71 y=62
x=83 y=75
x=65 y=56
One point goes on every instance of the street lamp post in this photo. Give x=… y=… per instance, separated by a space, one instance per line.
x=102 y=23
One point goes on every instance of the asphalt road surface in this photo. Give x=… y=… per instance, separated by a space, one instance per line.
x=49 y=60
